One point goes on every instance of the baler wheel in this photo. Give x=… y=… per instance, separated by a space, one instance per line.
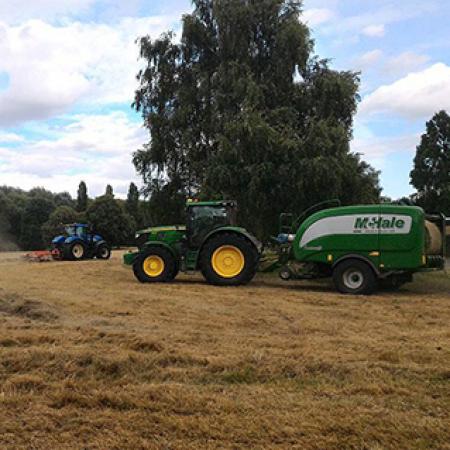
x=229 y=260
x=354 y=276
x=155 y=265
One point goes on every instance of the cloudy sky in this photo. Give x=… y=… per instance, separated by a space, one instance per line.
x=67 y=77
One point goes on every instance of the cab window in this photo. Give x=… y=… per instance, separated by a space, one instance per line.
x=204 y=219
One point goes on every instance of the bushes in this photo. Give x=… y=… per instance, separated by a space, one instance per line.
x=110 y=219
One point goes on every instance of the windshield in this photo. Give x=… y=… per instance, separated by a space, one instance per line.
x=81 y=231
x=70 y=230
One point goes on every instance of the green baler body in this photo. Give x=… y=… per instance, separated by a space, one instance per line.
x=391 y=237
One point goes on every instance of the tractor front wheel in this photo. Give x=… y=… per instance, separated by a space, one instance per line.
x=229 y=260
x=155 y=265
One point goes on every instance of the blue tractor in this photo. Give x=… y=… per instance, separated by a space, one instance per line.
x=79 y=242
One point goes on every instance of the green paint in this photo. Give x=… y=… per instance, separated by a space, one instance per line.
x=185 y=242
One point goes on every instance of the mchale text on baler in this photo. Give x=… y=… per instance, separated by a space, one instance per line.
x=79 y=242
x=360 y=247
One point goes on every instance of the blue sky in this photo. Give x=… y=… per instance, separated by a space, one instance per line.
x=67 y=76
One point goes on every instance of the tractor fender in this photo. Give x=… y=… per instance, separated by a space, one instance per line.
x=160 y=244
x=172 y=251
x=100 y=242
x=361 y=258
x=241 y=231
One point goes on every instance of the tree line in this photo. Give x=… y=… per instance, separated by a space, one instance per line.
x=29 y=220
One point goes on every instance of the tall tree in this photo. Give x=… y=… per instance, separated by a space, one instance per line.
x=82 y=197
x=241 y=108
x=109 y=191
x=431 y=173
x=132 y=202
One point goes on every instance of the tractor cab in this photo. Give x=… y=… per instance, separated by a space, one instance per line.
x=205 y=217
x=77 y=229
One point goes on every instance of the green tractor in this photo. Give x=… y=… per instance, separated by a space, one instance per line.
x=211 y=242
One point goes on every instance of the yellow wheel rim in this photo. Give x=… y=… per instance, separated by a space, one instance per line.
x=153 y=266
x=228 y=261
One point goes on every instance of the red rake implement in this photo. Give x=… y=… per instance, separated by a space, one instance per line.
x=43 y=255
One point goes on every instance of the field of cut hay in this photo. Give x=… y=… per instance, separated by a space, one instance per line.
x=90 y=358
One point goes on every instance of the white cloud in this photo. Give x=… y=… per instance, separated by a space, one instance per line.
x=405 y=62
x=418 y=95
x=380 y=14
x=317 y=16
x=368 y=59
x=10 y=138
x=51 y=68
x=374 y=30
x=376 y=148
x=95 y=148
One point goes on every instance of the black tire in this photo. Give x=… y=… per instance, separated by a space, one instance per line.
x=76 y=251
x=103 y=252
x=168 y=272
x=356 y=277
x=236 y=241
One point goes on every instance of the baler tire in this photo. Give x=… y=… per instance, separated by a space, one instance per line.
x=70 y=251
x=103 y=252
x=357 y=272
x=168 y=272
x=244 y=246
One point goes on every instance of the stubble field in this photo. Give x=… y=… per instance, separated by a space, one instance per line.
x=90 y=358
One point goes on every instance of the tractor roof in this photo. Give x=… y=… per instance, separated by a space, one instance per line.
x=231 y=203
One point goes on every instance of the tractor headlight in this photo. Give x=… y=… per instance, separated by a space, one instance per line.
x=136 y=236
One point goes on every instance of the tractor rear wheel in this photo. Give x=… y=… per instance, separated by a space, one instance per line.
x=229 y=260
x=356 y=277
x=103 y=252
x=76 y=251
x=155 y=265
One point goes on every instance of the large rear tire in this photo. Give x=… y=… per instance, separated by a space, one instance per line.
x=229 y=260
x=155 y=265
x=355 y=277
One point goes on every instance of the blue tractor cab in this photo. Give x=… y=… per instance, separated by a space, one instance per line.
x=79 y=242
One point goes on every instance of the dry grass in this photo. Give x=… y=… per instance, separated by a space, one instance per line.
x=89 y=358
